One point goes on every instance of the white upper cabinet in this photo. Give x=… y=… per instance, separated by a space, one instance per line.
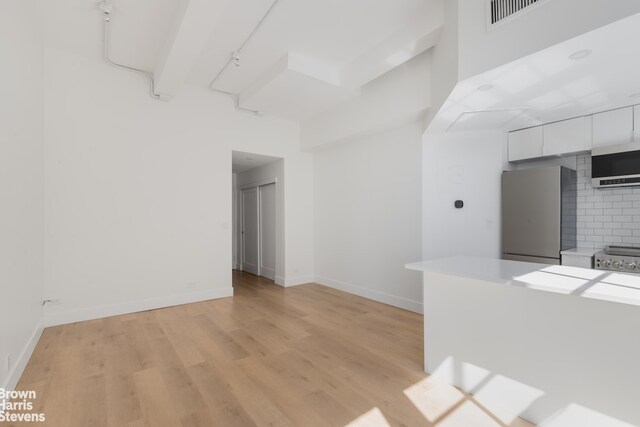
x=636 y=123
x=525 y=144
x=568 y=136
x=613 y=127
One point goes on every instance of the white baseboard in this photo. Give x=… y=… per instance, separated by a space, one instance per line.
x=23 y=359
x=268 y=273
x=295 y=281
x=98 y=312
x=396 y=301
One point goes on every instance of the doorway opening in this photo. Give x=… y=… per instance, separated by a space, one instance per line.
x=258 y=213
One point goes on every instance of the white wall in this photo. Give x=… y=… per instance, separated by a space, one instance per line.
x=368 y=223
x=463 y=166
x=444 y=68
x=258 y=175
x=21 y=185
x=139 y=192
x=396 y=98
x=546 y=25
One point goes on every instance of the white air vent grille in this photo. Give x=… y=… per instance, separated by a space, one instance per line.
x=502 y=9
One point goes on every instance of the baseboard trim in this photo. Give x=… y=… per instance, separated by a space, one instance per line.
x=268 y=273
x=295 y=281
x=396 y=301
x=99 y=312
x=21 y=364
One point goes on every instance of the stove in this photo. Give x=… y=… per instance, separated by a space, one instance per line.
x=619 y=258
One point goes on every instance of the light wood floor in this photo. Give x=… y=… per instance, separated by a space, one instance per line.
x=301 y=356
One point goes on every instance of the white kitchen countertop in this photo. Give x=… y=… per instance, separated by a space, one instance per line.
x=580 y=282
x=588 y=252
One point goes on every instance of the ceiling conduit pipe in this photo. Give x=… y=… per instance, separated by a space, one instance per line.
x=107 y=9
x=235 y=58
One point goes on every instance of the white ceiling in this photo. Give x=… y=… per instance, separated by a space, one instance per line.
x=549 y=86
x=139 y=28
x=343 y=43
x=333 y=32
x=242 y=162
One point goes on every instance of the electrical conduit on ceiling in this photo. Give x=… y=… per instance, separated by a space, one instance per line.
x=235 y=57
x=107 y=9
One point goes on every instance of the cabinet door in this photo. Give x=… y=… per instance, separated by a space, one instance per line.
x=566 y=137
x=525 y=144
x=636 y=122
x=613 y=127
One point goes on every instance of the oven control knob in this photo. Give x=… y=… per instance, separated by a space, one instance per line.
x=617 y=265
x=606 y=263
x=631 y=266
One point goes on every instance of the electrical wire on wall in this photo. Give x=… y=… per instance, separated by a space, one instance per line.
x=107 y=10
x=235 y=59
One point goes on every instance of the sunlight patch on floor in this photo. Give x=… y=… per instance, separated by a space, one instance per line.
x=468 y=414
x=505 y=398
x=433 y=398
x=373 y=418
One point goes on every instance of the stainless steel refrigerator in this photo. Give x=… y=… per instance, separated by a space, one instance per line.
x=538 y=214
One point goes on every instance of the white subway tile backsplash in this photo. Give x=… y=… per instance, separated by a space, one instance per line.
x=602 y=232
x=622 y=205
x=605 y=216
x=613 y=198
x=612 y=225
x=606 y=206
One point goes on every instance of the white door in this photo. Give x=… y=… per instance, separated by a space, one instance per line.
x=268 y=231
x=250 y=231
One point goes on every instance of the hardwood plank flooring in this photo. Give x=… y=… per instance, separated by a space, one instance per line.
x=269 y=356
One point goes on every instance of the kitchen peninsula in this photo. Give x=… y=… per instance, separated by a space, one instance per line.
x=535 y=338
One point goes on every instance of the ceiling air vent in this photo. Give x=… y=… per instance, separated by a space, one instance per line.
x=499 y=10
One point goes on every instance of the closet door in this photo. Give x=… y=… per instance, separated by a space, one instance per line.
x=250 y=231
x=268 y=231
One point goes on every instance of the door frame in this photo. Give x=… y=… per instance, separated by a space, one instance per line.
x=256 y=185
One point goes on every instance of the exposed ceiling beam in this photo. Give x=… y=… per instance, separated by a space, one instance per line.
x=422 y=34
x=189 y=35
